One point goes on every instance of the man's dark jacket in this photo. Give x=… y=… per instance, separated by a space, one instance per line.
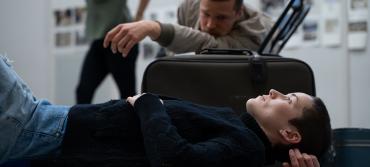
x=177 y=133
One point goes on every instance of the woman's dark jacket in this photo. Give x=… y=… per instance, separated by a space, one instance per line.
x=177 y=133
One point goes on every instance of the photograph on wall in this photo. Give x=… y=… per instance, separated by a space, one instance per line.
x=63 y=17
x=70 y=16
x=63 y=39
x=69 y=22
x=80 y=15
x=81 y=38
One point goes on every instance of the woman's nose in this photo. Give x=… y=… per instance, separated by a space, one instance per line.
x=274 y=93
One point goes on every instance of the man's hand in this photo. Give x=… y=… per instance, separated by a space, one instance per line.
x=301 y=160
x=124 y=36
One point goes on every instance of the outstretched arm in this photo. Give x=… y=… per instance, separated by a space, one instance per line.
x=177 y=38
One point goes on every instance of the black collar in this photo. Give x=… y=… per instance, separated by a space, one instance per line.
x=252 y=124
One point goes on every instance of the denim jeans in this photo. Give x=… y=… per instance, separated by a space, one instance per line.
x=29 y=127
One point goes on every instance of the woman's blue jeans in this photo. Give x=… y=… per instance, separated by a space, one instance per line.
x=29 y=127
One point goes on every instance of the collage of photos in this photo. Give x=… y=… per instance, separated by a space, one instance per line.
x=322 y=28
x=68 y=24
x=317 y=29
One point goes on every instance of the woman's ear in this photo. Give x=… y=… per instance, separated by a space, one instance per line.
x=290 y=136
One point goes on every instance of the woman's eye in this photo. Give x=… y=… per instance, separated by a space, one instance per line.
x=289 y=100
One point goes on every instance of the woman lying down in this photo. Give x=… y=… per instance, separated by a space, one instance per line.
x=145 y=130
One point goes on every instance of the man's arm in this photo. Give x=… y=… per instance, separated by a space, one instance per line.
x=164 y=145
x=181 y=39
x=177 y=38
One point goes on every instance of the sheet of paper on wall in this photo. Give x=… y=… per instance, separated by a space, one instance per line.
x=332 y=23
x=357 y=24
x=311 y=30
x=357 y=9
x=357 y=35
x=310 y=27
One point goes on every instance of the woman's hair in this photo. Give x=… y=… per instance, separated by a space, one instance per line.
x=315 y=129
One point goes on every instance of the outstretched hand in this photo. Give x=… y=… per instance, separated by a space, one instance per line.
x=124 y=36
x=298 y=159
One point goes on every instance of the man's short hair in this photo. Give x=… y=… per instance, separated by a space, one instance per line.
x=315 y=129
x=237 y=6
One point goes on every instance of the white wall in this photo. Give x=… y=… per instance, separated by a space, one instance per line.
x=360 y=88
x=23 y=35
x=330 y=70
x=342 y=77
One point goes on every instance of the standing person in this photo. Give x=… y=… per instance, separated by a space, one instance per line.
x=102 y=15
x=148 y=130
x=202 y=24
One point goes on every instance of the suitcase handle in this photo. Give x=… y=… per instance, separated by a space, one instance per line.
x=219 y=51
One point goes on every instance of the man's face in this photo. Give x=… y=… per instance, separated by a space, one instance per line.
x=276 y=109
x=217 y=17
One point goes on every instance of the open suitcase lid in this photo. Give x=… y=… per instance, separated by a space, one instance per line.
x=288 y=22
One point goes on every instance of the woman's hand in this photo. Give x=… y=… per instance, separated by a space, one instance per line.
x=298 y=159
x=133 y=99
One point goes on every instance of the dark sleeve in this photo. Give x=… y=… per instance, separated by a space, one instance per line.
x=165 y=147
x=167 y=33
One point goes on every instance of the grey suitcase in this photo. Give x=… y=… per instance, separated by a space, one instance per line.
x=221 y=80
